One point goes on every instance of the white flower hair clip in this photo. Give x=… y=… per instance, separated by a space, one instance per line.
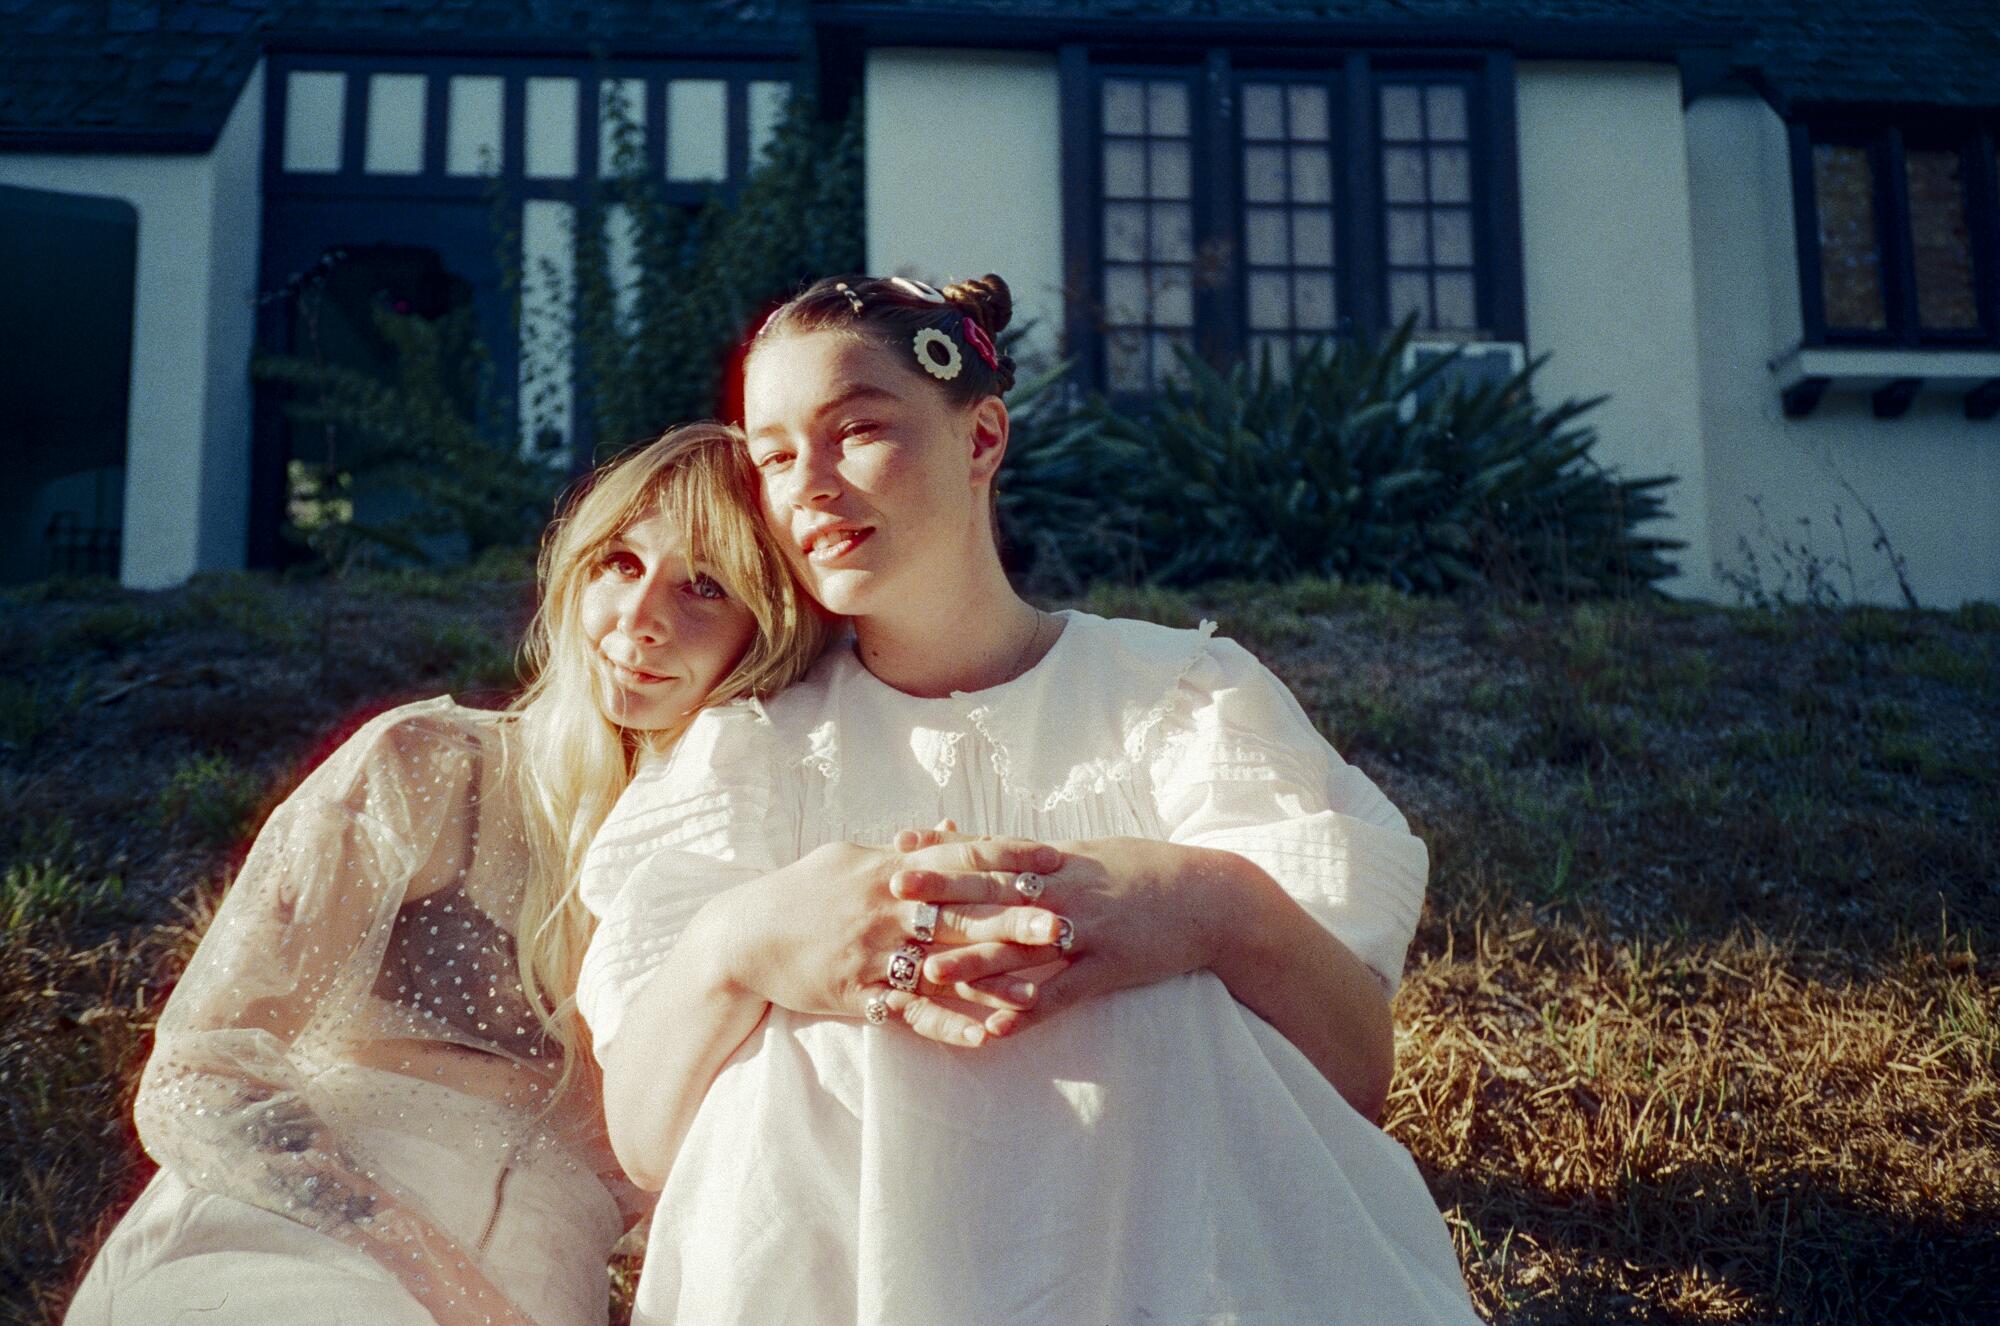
x=928 y=293
x=937 y=354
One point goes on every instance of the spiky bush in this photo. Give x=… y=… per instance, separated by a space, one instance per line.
x=1251 y=474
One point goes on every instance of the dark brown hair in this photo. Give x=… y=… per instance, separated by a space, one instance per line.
x=893 y=312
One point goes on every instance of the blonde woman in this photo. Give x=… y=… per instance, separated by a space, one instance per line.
x=371 y=1098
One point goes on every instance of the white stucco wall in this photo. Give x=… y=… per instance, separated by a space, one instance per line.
x=987 y=124
x=187 y=457
x=1932 y=476
x=1608 y=270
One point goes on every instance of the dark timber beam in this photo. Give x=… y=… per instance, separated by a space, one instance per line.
x=1983 y=401
x=1892 y=401
x=1802 y=397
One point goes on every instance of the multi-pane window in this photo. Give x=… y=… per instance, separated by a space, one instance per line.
x=1428 y=205
x=1290 y=293
x=420 y=143
x=1901 y=243
x=1251 y=212
x=1148 y=228
x=684 y=124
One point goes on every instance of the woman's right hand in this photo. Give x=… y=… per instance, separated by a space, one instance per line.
x=817 y=936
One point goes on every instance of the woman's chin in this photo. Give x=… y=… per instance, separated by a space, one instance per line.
x=844 y=592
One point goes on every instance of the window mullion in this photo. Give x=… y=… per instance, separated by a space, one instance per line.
x=1083 y=255
x=1893 y=231
x=1218 y=250
x=1982 y=207
x=1363 y=276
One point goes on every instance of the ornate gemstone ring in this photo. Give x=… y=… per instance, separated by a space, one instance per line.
x=904 y=964
x=877 y=1008
x=1065 y=934
x=925 y=926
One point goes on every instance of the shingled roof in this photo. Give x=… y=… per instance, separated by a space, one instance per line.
x=161 y=75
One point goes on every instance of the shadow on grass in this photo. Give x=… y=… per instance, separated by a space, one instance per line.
x=1709 y=1244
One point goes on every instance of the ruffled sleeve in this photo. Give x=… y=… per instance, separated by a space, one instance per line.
x=1238 y=766
x=693 y=823
x=225 y=1100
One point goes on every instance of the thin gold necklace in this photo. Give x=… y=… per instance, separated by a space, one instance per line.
x=1034 y=634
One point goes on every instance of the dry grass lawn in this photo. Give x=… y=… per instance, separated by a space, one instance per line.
x=1701 y=1024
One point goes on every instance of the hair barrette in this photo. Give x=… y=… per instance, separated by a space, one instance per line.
x=928 y=293
x=853 y=300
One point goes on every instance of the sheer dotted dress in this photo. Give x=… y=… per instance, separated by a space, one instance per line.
x=351 y=1101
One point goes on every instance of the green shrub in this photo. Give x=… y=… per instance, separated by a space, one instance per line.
x=114 y=627
x=29 y=712
x=209 y=797
x=246 y=603
x=436 y=434
x=468 y=658
x=43 y=882
x=1252 y=475
x=705 y=275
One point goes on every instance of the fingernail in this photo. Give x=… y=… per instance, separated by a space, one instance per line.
x=975 y=1035
x=1045 y=928
x=1021 y=990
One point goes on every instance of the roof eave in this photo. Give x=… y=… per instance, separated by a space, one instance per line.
x=928 y=26
x=72 y=141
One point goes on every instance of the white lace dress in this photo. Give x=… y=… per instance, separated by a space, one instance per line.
x=348 y=1088
x=1161 y=1155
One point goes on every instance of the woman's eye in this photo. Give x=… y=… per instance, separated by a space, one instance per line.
x=705 y=586
x=860 y=429
x=771 y=460
x=621 y=563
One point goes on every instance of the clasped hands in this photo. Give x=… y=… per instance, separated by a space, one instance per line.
x=1141 y=911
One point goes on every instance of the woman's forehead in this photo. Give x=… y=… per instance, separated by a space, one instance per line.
x=653 y=530
x=795 y=377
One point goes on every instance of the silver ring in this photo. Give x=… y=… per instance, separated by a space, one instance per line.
x=877 y=1008
x=1029 y=885
x=904 y=964
x=1065 y=934
x=925 y=926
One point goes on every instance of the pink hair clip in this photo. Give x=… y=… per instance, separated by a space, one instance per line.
x=981 y=343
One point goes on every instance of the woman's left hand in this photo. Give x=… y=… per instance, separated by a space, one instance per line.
x=1142 y=911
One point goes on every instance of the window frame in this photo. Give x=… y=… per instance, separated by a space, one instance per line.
x=1887 y=137
x=352 y=181
x=1354 y=76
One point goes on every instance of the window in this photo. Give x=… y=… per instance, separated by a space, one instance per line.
x=1148 y=215
x=1897 y=233
x=1252 y=207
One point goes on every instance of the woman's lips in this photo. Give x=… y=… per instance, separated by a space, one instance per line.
x=634 y=677
x=833 y=546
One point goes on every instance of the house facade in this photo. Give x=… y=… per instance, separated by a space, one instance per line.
x=1770 y=234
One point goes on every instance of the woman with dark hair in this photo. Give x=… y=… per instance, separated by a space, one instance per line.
x=1154 y=1105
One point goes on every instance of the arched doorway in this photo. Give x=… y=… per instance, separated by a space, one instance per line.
x=346 y=323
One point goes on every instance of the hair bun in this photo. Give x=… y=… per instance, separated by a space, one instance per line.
x=986 y=299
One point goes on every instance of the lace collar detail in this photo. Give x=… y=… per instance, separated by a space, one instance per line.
x=1083 y=718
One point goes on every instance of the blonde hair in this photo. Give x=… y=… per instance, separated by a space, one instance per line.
x=576 y=761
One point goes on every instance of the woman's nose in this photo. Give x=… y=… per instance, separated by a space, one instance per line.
x=816 y=476
x=642 y=615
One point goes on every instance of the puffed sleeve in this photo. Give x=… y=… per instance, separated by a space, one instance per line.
x=226 y=1099
x=691 y=824
x=1241 y=768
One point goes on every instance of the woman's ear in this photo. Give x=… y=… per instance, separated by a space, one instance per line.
x=989 y=437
